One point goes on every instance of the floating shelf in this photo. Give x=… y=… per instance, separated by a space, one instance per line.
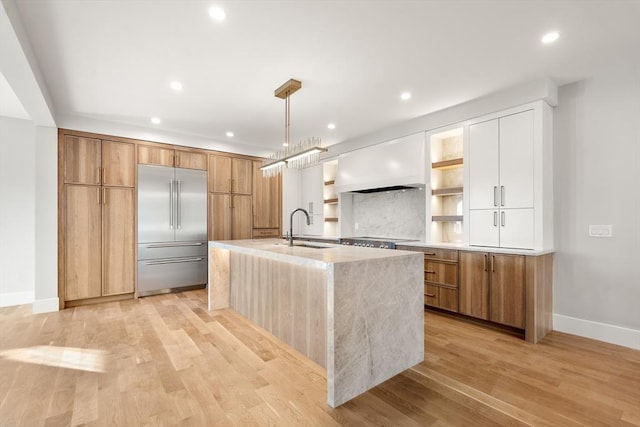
x=330 y=201
x=447 y=191
x=331 y=220
x=331 y=182
x=446 y=218
x=447 y=164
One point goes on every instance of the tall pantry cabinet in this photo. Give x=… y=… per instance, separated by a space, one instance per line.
x=510 y=180
x=98 y=224
x=230 y=208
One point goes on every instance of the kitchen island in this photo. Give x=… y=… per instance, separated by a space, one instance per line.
x=358 y=312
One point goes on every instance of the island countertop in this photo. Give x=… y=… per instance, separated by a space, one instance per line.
x=357 y=312
x=306 y=253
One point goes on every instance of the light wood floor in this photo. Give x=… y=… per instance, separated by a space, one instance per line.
x=167 y=361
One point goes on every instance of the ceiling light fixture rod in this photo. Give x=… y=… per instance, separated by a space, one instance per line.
x=284 y=92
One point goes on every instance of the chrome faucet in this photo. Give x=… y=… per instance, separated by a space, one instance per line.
x=291 y=223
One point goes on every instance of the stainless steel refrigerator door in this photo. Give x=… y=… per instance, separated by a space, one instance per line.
x=191 y=205
x=155 y=202
x=148 y=251
x=163 y=274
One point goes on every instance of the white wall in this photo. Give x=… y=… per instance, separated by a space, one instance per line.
x=597 y=181
x=17 y=211
x=46 y=220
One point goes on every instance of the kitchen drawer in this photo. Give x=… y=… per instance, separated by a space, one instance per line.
x=441 y=272
x=171 y=250
x=445 y=254
x=265 y=232
x=441 y=297
x=162 y=274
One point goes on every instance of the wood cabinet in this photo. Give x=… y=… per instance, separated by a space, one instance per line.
x=94 y=161
x=440 y=277
x=229 y=216
x=230 y=198
x=492 y=287
x=266 y=203
x=501 y=182
x=98 y=218
x=164 y=156
x=83 y=242
x=230 y=174
x=99 y=241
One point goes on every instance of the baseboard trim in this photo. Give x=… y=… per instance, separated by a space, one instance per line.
x=9 y=299
x=45 y=305
x=598 y=331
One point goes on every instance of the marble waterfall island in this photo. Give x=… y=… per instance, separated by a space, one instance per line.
x=358 y=312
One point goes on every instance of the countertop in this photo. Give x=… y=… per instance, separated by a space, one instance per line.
x=279 y=250
x=465 y=247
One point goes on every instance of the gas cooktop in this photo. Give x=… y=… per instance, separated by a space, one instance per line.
x=373 y=242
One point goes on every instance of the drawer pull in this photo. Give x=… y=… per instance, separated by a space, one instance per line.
x=430 y=295
x=430 y=272
x=430 y=253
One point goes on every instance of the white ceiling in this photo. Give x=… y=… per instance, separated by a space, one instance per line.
x=113 y=60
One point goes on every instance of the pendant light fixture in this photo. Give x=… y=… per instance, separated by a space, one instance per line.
x=303 y=154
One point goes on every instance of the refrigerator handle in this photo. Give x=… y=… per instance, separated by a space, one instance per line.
x=179 y=210
x=171 y=204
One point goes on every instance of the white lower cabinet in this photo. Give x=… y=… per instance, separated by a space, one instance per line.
x=507 y=228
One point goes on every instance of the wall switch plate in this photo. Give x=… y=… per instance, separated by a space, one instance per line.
x=310 y=210
x=600 y=231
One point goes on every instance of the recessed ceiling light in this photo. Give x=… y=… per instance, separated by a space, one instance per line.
x=230 y=134
x=217 y=13
x=405 y=96
x=331 y=125
x=155 y=120
x=175 y=85
x=550 y=37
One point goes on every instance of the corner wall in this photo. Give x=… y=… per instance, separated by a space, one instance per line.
x=17 y=211
x=597 y=181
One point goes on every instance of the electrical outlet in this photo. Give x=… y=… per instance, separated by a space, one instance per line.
x=600 y=231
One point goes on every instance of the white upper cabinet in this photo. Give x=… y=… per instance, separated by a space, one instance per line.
x=502 y=175
x=516 y=160
x=483 y=165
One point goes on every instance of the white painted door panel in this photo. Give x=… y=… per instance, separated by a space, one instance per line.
x=483 y=165
x=516 y=228
x=516 y=160
x=483 y=227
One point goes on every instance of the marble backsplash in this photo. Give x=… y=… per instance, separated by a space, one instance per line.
x=390 y=214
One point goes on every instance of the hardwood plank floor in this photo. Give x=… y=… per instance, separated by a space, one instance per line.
x=166 y=360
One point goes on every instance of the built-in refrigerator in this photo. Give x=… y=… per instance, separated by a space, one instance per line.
x=172 y=229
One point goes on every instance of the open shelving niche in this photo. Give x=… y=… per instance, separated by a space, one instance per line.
x=331 y=199
x=447 y=185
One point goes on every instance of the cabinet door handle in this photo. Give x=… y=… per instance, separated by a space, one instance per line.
x=495 y=219
x=430 y=295
x=230 y=186
x=104 y=175
x=502 y=218
x=493 y=263
x=502 y=193
x=486 y=257
x=430 y=272
x=495 y=195
x=177 y=159
x=98 y=176
x=98 y=195
x=104 y=196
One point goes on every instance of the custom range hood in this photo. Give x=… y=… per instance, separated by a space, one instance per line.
x=393 y=165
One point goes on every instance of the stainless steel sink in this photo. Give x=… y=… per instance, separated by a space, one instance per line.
x=306 y=245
